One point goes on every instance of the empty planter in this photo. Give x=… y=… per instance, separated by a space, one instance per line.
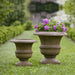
x=23 y=51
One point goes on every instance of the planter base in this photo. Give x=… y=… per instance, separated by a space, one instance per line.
x=23 y=63
x=50 y=61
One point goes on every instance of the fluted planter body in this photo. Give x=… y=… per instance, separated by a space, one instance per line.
x=23 y=51
x=50 y=46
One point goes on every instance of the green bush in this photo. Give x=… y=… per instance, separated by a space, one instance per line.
x=73 y=36
x=7 y=33
x=24 y=26
x=67 y=24
x=49 y=7
x=4 y=9
x=17 y=9
x=71 y=33
x=28 y=25
x=16 y=23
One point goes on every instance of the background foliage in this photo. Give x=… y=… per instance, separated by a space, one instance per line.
x=49 y=7
x=4 y=9
x=7 y=33
x=17 y=14
x=18 y=9
x=70 y=9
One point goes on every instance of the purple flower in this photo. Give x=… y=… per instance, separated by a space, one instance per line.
x=46 y=27
x=57 y=24
x=45 y=21
x=63 y=24
x=36 y=26
x=36 y=30
x=55 y=27
x=64 y=29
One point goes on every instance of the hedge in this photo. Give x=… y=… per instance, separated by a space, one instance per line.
x=7 y=33
x=71 y=33
x=29 y=25
x=49 y=7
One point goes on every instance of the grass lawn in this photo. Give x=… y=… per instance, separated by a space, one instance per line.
x=8 y=59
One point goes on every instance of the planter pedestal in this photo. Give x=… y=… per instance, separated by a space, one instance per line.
x=50 y=46
x=23 y=51
x=50 y=52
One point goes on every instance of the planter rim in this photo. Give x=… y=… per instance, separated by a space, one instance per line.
x=23 y=40
x=51 y=33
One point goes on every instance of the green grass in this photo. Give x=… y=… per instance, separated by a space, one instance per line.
x=8 y=59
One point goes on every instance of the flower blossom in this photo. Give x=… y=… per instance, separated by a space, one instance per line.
x=36 y=30
x=45 y=21
x=63 y=24
x=54 y=27
x=64 y=29
x=46 y=27
x=57 y=24
x=36 y=26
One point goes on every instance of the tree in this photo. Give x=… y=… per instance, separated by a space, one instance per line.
x=4 y=9
x=70 y=9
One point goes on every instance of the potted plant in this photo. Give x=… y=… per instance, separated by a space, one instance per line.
x=50 y=34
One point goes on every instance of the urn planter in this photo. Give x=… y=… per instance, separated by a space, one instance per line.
x=50 y=46
x=23 y=51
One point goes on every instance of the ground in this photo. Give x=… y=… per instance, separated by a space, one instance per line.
x=66 y=57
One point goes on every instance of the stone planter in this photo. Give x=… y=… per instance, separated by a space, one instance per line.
x=50 y=46
x=23 y=51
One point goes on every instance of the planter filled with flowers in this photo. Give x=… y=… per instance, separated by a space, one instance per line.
x=50 y=35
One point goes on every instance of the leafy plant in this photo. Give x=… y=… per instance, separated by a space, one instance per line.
x=7 y=33
x=50 y=26
x=4 y=9
x=28 y=25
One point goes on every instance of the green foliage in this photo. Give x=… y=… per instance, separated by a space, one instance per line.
x=16 y=23
x=49 y=7
x=40 y=27
x=4 y=9
x=71 y=33
x=8 y=32
x=67 y=24
x=29 y=25
x=17 y=14
x=70 y=9
x=51 y=25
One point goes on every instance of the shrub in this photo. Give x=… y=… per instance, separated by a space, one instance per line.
x=24 y=26
x=16 y=23
x=4 y=9
x=8 y=32
x=28 y=25
x=17 y=7
x=67 y=24
x=73 y=36
x=71 y=33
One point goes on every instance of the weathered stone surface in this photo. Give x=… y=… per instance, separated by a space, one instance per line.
x=23 y=51
x=50 y=46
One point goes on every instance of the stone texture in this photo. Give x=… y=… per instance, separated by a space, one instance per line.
x=50 y=46
x=23 y=51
